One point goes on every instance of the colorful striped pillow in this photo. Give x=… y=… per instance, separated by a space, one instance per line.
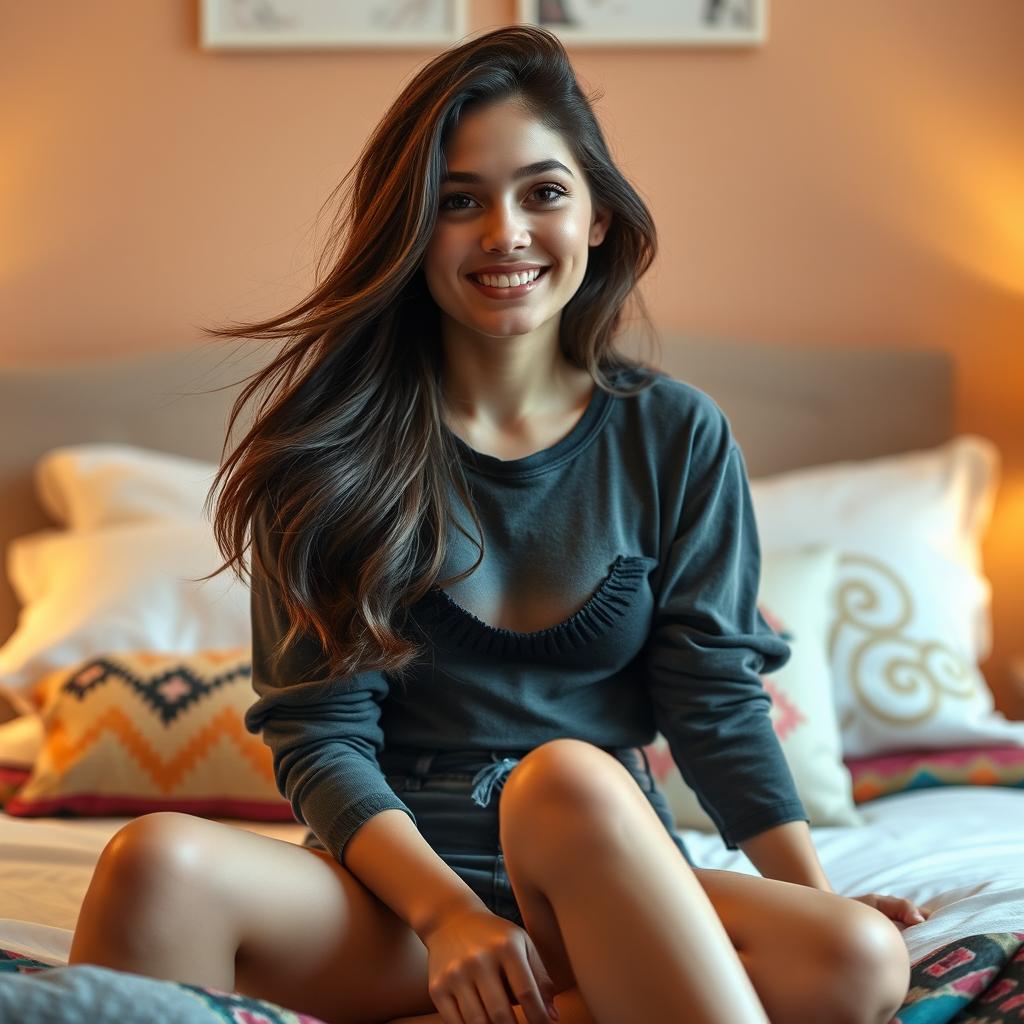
x=875 y=777
x=130 y=733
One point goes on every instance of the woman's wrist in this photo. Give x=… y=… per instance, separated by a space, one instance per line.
x=438 y=914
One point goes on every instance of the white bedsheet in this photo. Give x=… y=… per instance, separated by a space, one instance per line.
x=957 y=850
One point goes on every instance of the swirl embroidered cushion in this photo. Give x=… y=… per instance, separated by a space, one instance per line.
x=909 y=617
x=144 y=731
x=793 y=597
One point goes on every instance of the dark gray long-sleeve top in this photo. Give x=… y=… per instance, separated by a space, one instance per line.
x=630 y=549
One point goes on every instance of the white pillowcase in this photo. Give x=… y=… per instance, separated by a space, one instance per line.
x=123 y=588
x=88 y=486
x=794 y=592
x=910 y=611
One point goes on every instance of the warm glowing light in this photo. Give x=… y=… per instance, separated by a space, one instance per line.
x=1011 y=502
x=21 y=245
x=991 y=196
x=955 y=156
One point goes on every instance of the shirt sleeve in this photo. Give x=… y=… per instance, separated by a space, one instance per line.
x=709 y=643
x=324 y=734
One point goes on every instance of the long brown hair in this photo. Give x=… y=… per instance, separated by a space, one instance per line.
x=347 y=466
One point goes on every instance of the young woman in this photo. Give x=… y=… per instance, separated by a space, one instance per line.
x=486 y=842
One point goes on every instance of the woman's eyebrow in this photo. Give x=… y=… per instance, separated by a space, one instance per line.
x=522 y=172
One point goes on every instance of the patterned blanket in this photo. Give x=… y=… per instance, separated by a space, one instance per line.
x=36 y=993
x=976 y=980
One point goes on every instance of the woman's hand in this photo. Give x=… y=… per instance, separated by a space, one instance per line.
x=478 y=964
x=902 y=912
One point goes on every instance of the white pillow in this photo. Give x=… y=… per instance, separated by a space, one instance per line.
x=910 y=611
x=793 y=596
x=88 y=486
x=124 y=588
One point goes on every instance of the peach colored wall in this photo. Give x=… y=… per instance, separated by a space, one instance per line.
x=858 y=180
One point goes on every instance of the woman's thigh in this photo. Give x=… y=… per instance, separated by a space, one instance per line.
x=804 y=949
x=757 y=910
x=311 y=936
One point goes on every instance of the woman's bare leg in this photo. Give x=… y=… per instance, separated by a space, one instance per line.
x=613 y=908
x=814 y=957
x=142 y=902
x=183 y=898
x=642 y=938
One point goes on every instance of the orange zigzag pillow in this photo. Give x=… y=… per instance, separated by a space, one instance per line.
x=131 y=733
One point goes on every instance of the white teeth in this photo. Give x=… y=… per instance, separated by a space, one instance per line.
x=508 y=280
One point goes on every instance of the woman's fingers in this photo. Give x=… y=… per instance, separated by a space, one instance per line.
x=480 y=964
x=496 y=995
x=898 y=908
x=913 y=914
x=449 y=1009
x=910 y=912
x=496 y=1001
x=532 y=985
x=902 y=909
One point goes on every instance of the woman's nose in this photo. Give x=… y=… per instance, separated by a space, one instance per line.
x=505 y=230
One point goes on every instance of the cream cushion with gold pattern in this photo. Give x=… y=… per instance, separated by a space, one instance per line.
x=910 y=610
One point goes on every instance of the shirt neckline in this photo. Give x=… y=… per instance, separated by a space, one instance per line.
x=583 y=432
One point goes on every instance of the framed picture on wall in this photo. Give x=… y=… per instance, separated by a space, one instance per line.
x=650 y=22
x=328 y=24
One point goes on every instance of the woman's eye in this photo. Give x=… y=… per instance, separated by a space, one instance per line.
x=554 y=193
x=556 y=190
x=446 y=202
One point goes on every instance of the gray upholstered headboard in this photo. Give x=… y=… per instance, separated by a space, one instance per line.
x=789 y=407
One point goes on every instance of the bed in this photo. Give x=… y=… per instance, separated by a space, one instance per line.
x=871 y=512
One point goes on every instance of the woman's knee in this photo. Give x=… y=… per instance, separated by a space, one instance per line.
x=148 y=890
x=565 y=796
x=162 y=846
x=567 y=772
x=864 y=966
x=558 y=785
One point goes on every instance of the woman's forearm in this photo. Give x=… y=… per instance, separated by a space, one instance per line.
x=389 y=855
x=786 y=852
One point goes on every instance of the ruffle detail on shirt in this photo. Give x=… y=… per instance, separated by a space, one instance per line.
x=446 y=619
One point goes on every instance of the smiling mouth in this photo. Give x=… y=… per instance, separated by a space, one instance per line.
x=510 y=292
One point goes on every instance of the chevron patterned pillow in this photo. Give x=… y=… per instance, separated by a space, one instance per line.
x=135 y=732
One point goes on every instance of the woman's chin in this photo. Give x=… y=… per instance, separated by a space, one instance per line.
x=503 y=327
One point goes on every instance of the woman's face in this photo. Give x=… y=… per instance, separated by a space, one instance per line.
x=491 y=220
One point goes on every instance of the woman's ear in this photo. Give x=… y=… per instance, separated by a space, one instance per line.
x=600 y=221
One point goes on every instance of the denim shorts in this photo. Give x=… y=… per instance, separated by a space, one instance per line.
x=455 y=797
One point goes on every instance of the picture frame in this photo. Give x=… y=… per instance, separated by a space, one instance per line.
x=330 y=24
x=623 y=23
